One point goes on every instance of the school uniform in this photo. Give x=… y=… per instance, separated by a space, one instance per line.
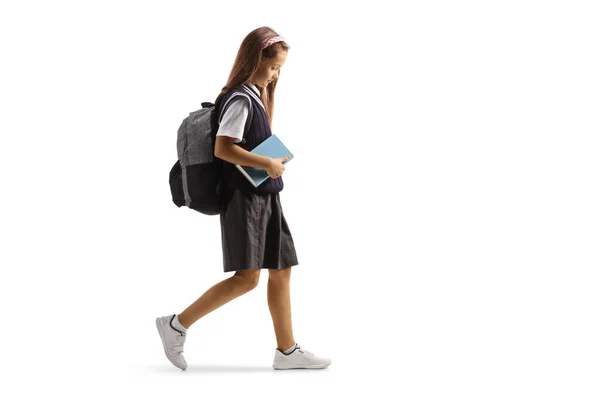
x=254 y=232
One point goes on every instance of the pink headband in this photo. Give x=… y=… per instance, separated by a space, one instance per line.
x=273 y=41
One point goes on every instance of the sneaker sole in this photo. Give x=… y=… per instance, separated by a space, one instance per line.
x=320 y=366
x=161 y=333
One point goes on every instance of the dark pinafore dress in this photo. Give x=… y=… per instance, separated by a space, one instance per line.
x=254 y=232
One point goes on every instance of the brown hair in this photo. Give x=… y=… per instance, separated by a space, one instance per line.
x=247 y=61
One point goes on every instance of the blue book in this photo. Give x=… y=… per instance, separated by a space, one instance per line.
x=272 y=147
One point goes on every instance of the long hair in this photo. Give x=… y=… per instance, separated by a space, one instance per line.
x=247 y=61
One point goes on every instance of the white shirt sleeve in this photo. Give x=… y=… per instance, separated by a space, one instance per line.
x=234 y=120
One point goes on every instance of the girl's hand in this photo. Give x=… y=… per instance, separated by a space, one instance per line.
x=276 y=167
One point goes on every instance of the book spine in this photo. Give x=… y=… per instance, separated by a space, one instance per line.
x=243 y=171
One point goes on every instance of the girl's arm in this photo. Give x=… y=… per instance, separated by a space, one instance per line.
x=226 y=150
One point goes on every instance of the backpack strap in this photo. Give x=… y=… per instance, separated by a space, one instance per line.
x=236 y=96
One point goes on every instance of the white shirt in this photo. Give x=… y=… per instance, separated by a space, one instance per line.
x=234 y=119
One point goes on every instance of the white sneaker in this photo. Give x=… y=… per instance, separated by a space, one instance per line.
x=299 y=358
x=172 y=340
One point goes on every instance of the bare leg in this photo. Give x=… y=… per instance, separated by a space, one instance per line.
x=221 y=293
x=278 y=296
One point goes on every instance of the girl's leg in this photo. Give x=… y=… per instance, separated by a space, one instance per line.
x=220 y=294
x=278 y=296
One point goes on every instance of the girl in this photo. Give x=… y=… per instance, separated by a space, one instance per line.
x=254 y=232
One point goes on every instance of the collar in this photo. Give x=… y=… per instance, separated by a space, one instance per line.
x=254 y=88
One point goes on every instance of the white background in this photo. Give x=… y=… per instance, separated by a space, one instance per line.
x=443 y=199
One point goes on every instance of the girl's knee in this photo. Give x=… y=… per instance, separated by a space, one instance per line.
x=248 y=279
x=280 y=274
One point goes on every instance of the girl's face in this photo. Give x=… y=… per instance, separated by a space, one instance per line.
x=268 y=70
